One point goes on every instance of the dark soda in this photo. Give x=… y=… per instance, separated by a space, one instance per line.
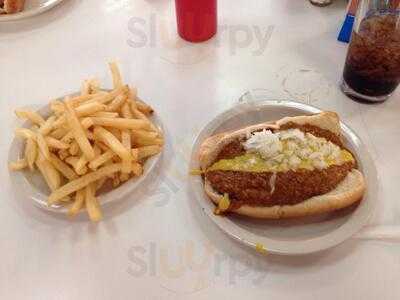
x=373 y=60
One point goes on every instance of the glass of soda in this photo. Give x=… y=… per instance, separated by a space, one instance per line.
x=372 y=69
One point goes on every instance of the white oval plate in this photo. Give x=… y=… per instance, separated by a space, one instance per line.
x=32 y=8
x=294 y=236
x=31 y=185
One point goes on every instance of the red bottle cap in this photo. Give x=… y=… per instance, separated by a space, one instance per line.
x=197 y=19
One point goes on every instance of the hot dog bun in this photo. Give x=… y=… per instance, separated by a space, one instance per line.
x=347 y=192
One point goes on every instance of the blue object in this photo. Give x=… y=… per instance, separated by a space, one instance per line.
x=347 y=28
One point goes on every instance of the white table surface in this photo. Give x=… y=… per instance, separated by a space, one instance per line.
x=156 y=244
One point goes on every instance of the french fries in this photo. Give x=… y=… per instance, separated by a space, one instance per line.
x=116 y=75
x=123 y=177
x=43 y=147
x=94 y=86
x=81 y=165
x=87 y=141
x=57 y=107
x=144 y=134
x=54 y=143
x=102 y=159
x=74 y=148
x=100 y=183
x=78 y=100
x=85 y=89
x=18 y=165
x=97 y=150
x=116 y=146
x=104 y=98
x=126 y=139
x=78 y=203
x=82 y=182
x=116 y=181
x=25 y=133
x=63 y=154
x=89 y=109
x=92 y=205
x=125 y=133
x=116 y=132
x=90 y=86
x=62 y=167
x=31 y=152
x=147 y=151
x=117 y=103
x=46 y=127
x=59 y=133
x=126 y=111
x=121 y=123
x=135 y=155
x=34 y=117
x=50 y=174
x=106 y=114
x=142 y=141
x=86 y=123
x=137 y=169
x=143 y=107
x=77 y=164
x=142 y=116
x=79 y=133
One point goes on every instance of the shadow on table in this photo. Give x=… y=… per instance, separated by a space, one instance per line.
x=35 y=22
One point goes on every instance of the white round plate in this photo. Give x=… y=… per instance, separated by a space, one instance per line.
x=30 y=185
x=294 y=236
x=32 y=8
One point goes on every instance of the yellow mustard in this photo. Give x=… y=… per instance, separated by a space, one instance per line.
x=253 y=162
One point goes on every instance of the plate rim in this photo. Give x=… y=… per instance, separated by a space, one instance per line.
x=29 y=13
x=359 y=217
x=37 y=197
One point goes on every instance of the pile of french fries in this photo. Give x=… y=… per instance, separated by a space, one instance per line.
x=89 y=139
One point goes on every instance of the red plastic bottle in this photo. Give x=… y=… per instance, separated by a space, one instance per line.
x=197 y=19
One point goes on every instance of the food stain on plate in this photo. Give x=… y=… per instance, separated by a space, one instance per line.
x=261 y=249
